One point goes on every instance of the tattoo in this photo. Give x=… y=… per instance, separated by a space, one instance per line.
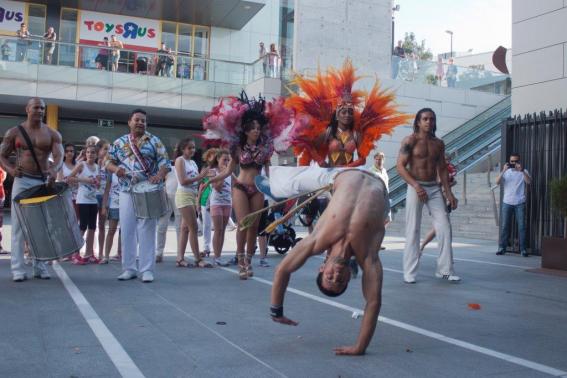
x=5 y=148
x=406 y=149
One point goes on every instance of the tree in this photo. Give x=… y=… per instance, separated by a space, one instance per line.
x=411 y=45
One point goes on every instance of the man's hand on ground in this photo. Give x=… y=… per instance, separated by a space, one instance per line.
x=348 y=351
x=284 y=320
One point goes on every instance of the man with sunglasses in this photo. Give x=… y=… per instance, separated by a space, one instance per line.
x=514 y=179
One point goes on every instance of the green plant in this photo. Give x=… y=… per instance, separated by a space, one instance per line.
x=431 y=79
x=558 y=189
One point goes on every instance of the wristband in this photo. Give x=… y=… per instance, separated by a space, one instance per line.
x=276 y=311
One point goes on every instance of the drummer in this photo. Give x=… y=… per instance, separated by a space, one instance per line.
x=135 y=157
x=28 y=172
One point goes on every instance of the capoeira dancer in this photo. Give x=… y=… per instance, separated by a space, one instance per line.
x=351 y=226
x=32 y=167
x=136 y=157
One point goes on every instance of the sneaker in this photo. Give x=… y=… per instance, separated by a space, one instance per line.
x=410 y=281
x=77 y=260
x=524 y=253
x=127 y=275
x=219 y=262
x=19 y=277
x=233 y=261
x=147 y=276
x=500 y=252
x=44 y=275
x=448 y=277
x=263 y=263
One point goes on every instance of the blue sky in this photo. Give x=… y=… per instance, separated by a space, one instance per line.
x=481 y=25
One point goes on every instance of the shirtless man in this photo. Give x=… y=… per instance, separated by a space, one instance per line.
x=420 y=162
x=26 y=173
x=351 y=225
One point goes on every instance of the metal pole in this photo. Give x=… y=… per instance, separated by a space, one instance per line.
x=393 y=33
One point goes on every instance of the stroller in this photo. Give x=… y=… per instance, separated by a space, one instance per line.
x=283 y=237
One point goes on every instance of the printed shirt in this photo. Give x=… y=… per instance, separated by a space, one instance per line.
x=87 y=192
x=514 y=187
x=152 y=150
x=114 y=193
x=223 y=196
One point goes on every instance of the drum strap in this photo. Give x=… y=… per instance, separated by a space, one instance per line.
x=138 y=155
x=30 y=147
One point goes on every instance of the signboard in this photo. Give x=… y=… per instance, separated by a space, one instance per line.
x=134 y=32
x=108 y=123
x=12 y=14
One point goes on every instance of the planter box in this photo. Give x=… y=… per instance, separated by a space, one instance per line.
x=554 y=253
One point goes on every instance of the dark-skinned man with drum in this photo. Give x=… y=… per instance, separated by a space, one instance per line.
x=28 y=171
x=139 y=160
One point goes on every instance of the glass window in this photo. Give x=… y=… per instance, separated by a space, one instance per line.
x=201 y=50
x=67 y=33
x=36 y=27
x=184 y=39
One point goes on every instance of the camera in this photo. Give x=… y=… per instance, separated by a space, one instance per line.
x=512 y=164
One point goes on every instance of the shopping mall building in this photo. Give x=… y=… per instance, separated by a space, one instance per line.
x=215 y=50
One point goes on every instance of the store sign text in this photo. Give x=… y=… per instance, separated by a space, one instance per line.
x=128 y=30
x=12 y=14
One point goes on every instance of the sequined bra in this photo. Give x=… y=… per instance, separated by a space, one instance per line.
x=345 y=144
x=256 y=156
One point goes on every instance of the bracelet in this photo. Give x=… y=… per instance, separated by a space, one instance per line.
x=276 y=311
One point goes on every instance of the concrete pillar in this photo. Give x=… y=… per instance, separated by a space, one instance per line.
x=52 y=116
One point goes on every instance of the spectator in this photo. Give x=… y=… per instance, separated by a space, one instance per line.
x=273 y=60
x=451 y=74
x=379 y=170
x=50 y=37
x=101 y=59
x=398 y=54
x=2 y=198
x=439 y=73
x=23 y=43
x=263 y=54
x=515 y=179
x=115 y=55
x=6 y=50
x=169 y=62
x=162 y=60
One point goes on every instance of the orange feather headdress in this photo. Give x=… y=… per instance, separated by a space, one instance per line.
x=375 y=112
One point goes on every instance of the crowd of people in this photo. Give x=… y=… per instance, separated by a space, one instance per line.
x=330 y=127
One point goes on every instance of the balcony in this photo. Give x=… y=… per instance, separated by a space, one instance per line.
x=189 y=83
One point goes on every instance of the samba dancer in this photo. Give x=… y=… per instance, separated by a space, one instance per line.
x=248 y=128
x=135 y=157
x=32 y=168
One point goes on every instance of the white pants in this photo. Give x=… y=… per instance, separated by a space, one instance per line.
x=436 y=205
x=206 y=215
x=286 y=182
x=163 y=223
x=17 y=255
x=138 y=237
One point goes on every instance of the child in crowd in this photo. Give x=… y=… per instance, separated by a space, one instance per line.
x=110 y=197
x=210 y=160
x=221 y=205
x=87 y=174
x=188 y=177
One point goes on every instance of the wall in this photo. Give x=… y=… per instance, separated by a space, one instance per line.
x=327 y=31
x=242 y=45
x=539 y=39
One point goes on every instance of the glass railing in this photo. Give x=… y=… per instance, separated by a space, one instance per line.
x=449 y=75
x=36 y=59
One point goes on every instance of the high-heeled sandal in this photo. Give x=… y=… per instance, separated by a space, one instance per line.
x=242 y=272
x=182 y=263
x=249 y=271
x=203 y=264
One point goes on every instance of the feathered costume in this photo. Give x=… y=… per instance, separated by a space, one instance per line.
x=375 y=114
x=225 y=123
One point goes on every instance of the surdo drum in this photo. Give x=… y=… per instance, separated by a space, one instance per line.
x=48 y=221
x=150 y=200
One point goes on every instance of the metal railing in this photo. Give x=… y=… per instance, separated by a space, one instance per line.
x=470 y=144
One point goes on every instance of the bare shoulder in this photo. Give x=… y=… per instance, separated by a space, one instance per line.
x=409 y=140
x=55 y=135
x=11 y=133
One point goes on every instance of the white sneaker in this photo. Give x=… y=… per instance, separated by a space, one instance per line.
x=219 y=262
x=127 y=275
x=19 y=277
x=448 y=277
x=44 y=275
x=410 y=281
x=147 y=276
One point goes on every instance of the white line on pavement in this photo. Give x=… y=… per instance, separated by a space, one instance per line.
x=434 y=335
x=216 y=333
x=124 y=364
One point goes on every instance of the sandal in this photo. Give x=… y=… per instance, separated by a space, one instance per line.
x=242 y=274
x=203 y=264
x=103 y=261
x=182 y=263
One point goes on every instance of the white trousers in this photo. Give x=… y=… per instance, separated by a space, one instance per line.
x=163 y=223
x=138 y=237
x=17 y=253
x=414 y=207
x=286 y=182
x=206 y=215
